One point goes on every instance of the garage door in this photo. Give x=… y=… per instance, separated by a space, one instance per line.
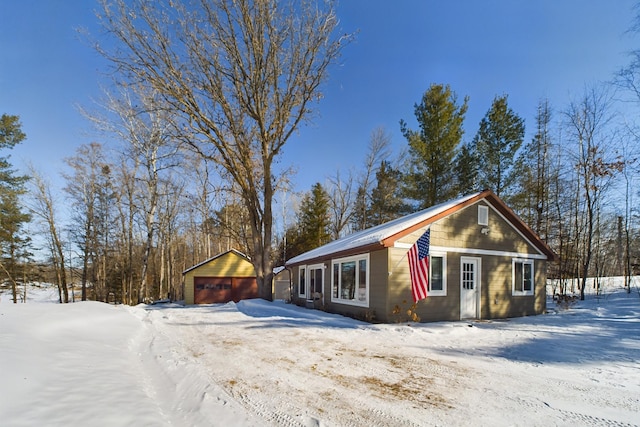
x=211 y=290
x=244 y=288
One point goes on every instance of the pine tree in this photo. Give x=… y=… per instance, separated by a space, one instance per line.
x=432 y=149
x=386 y=200
x=498 y=140
x=360 y=219
x=535 y=175
x=312 y=228
x=314 y=218
x=466 y=170
x=14 y=244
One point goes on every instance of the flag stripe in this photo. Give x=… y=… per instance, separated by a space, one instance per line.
x=418 y=257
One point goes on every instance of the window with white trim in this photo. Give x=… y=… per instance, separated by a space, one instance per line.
x=483 y=215
x=437 y=274
x=523 y=274
x=302 y=288
x=350 y=280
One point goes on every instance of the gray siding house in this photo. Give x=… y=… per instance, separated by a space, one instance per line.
x=485 y=263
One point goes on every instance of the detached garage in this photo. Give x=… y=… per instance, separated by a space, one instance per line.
x=229 y=276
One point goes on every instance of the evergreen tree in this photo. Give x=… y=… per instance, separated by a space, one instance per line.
x=466 y=170
x=360 y=219
x=432 y=149
x=386 y=200
x=314 y=218
x=14 y=245
x=312 y=228
x=535 y=175
x=498 y=140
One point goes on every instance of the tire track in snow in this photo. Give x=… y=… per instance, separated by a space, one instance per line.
x=174 y=381
x=568 y=416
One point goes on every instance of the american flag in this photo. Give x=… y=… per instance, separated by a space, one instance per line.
x=419 y=266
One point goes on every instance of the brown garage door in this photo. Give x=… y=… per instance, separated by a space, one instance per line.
x=244 y=288
x=211 y=290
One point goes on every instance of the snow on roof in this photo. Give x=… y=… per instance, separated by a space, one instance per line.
x=378 y=233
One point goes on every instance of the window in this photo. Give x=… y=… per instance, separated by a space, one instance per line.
x=213 y=286
x=350 y=280
x=437 y=275
x=315 y=274
x=523 y=277
x=483 y=215
x=302 y=289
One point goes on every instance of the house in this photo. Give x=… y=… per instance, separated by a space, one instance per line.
x=485 y=263
x=229 y=276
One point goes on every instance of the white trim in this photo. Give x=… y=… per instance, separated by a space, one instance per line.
x=306 y=285
x=443 y=255
x=356 y=259
x=402 y=245
x=487 y=252
x=483 y=215
x=478 y=284
x=310 y=291
x=474 y=251
x=523 y=261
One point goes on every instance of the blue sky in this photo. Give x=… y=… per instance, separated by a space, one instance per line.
x=526 y=49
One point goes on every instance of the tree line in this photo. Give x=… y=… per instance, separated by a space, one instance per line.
x=572 y=183
x=203 y=99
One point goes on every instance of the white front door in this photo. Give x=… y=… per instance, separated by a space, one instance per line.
x=469 y=287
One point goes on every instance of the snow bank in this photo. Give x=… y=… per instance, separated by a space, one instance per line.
x=257 y=363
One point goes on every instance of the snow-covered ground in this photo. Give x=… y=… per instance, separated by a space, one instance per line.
x=257 y=363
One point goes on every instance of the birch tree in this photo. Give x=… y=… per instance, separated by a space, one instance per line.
x=44 y=210
x=88 y=187
x=143 y=124
x=587 y=121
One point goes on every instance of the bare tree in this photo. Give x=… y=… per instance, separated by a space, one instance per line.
x=587 y=120
x=341 y=202
x=43 y=208
x=243 y=74
x=202 y=196
x=379 y=142
x=126 y=212
x=138 y=118
x=90 y=190
x=169 y=207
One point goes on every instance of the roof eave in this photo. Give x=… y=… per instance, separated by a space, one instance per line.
x=338 y=254
x=235 y=251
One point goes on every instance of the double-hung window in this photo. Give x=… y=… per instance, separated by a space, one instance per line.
x=437 y=274
x=350 y=280
x=523 y=274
